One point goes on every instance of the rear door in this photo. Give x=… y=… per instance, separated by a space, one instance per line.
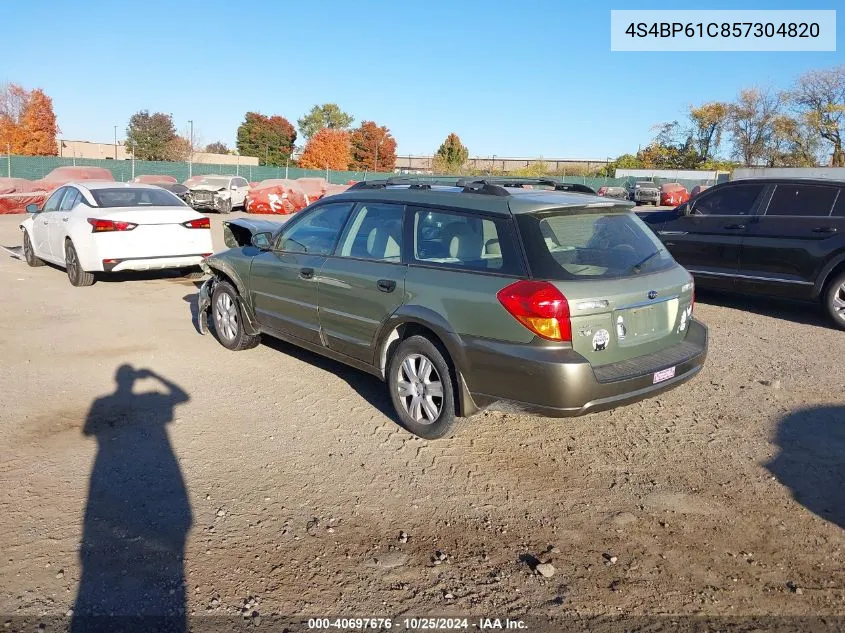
x=363 y=283
x=707 y=240
x=239 y=191
x=283 y=281
x=784 y=247
x=58 y=227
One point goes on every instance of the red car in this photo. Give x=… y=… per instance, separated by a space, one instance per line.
x=672 y=194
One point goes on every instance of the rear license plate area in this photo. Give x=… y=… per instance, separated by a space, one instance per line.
x=663 y=374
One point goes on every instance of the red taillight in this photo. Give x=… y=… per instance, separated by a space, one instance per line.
x=200 y=223
x=540 y=307
x=106 y=226
x=207 y=254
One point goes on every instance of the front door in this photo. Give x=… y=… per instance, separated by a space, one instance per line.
x=58 y=227
x=783 y=249
x=283 y=281
x=707 y=239
x=364 y=282
x=41 y=224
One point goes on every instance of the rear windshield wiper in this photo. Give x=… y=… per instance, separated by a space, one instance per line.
x=636 y=267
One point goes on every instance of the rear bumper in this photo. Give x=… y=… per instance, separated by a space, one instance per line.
x=556 y=382
x=151 y=263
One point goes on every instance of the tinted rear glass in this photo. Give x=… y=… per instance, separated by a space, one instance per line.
x=591 y=246
x=806 y=200
x=125 y=197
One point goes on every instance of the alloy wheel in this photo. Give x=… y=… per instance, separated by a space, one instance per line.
x=420 y=388
x=839 y=301
x=226 y=316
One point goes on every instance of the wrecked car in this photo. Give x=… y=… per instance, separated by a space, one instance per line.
x=644 y=192
x=216 y=193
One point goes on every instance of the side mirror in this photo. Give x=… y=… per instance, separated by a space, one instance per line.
x=261 y=241
x=33 y=208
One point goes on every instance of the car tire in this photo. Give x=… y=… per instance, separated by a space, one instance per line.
x=421 y=388
x=834 y=300
x=225 y=207
x=29 y=253
x=75 y=274
x=228 y=319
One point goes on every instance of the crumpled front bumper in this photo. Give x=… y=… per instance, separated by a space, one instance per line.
x=204 y=303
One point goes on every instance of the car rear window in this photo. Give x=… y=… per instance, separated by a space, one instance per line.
x=126 y=197
x=586 y=245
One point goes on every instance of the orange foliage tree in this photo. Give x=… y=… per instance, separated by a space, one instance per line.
x=327 y=149
x=27 y=122
x=373 y=148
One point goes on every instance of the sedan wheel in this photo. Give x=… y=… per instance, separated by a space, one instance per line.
x=420 y=382
x=75 y=274
x=29 y=253
x=227 y=318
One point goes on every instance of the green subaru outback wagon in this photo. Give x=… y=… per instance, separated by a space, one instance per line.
x=466 y=296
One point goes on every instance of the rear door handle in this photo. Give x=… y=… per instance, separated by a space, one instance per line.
x=824 y=229
x=386 y=285
x=44 y=222
x=734 y=227
x=306 y=273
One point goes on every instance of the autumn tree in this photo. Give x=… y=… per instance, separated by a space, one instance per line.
x=820 y=96
x=451 y=155
x=327 y=149
x=708 y=122
x=328 y=115
x=373 y=148
x=27 y=122
x=217 y=147
x=149 y=136
x=793 y=143
x=751 y=124
x=269 y=138
x=178 y=149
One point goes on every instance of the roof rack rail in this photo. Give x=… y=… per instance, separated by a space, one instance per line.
x=491 y=186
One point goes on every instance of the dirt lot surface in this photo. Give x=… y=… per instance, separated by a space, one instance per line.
x=289 y=482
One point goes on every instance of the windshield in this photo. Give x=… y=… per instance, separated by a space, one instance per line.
x=591 y=246
x=218 y=183
x=125 y=197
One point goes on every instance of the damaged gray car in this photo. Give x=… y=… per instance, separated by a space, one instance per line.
x=216 y=193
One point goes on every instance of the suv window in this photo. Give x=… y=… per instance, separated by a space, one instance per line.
x=804 y=200
x=52 y=203
x=839 y=207
x=375 y=232
x=591 y=246
x=732 y=200
x=69 y=199
x=316 y=232
x=454 y=239
x=240 y=182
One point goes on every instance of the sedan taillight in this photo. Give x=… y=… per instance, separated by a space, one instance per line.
x=199 y=223
x=107 y=226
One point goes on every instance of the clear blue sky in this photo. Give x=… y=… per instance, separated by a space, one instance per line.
x=534 y=78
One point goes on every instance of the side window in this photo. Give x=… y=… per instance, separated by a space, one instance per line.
x=839 y=207
x=802 y=200
x=69 y=199
x=240 y=182
x=375 y=232
x=317 y=231
x=733 y=200
x=465 y=241
x=53 y=201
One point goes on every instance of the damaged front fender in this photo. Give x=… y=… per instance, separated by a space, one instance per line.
x=221 y=271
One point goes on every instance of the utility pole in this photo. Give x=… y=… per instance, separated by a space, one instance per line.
x=375 y=167
x=287 y=160
x=115 y=142
x=191 y=154
x=9 y=159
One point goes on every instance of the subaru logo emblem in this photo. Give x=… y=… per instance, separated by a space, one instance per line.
x=652 y=294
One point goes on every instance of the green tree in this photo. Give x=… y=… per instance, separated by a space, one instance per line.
x=451 y=155
x=820 y=96
x=150 y=136
x=270 y=139
x=328 y=115
x=217 y=147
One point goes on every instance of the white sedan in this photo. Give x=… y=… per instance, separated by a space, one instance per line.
x=87 y=227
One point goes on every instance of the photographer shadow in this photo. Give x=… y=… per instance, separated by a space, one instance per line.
x=137 y=516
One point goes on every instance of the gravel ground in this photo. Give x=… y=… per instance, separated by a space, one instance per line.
x=275 y=481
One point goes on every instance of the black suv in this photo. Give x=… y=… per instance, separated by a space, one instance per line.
x=779 y=237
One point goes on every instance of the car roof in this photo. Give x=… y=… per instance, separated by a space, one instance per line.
x=491 y=199
x=796 y=180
